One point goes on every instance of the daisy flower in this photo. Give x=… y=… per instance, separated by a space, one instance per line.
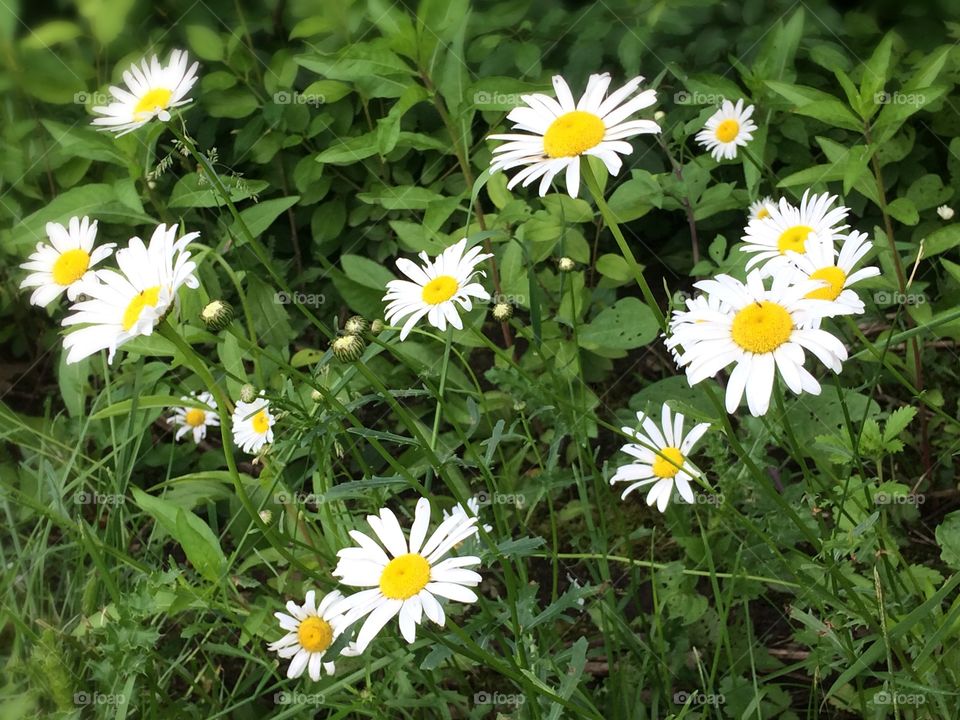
x=65 y=262
x=194 y=419
x=836 y=274
x=727 y=129
x=696 y=307
x=131 y=302
x=759 y=209
x=661 y=458
x=436 y=288
x=252 y=424
x=762 y=333
x=788 y=228
x=311 y=630
x=406 y=581
x=151 y=91
x=563 y=130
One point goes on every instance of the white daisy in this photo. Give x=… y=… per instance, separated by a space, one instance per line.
x=122 y=305
x=661 y=458
x=65 y=262
x=311 y=630
x=763 y=332
x=437 y=287
x=471 y=510
x=405 y=583
x=194 y=419
x=759 y=209
x=151 y=91
x=252 y=424
x=788 y=228
x=564 y=130
x=836 y=274
x=727 y=129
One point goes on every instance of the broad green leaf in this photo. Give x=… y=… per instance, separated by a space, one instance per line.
x=627 y=324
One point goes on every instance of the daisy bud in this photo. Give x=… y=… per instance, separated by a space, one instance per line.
x=659 y=115
x=248 y=393
x=217 y=315
x=945 y=212
x=266 y=516
x=376 y=327
x=502 y=312
x=566 y=264
x=347 y=348
x=355 y=325
x=316 y=396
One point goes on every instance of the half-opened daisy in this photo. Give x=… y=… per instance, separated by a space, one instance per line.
x=759 y=209
x=727 y=129
x=66 y=262
x=787 y=228
x=151 y=91
x=193 y=419
x=836 y=274
x=563 y=130
x=472 y=509
x=436 y=288
x=661 y=458
x=252 y=424
x=131 y=302
x=406 y=581
x=762 y=333
x=311 y=630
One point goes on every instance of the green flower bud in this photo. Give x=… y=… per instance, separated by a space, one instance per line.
x=502 y=312
x=355 y=325
x=248 y=393
x=347 y=348
x=217 y=315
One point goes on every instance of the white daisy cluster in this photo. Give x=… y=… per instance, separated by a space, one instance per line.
x=402 y=575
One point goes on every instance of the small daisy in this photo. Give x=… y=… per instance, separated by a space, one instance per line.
x=151 y=91
x=564 y=130
x=836 y=274
x=131 y=302
x=759 y=209
x=253 y=424
x=65 y=263
x=311 y=630
x=661 y=458
x=471 y=510
x=762 y=332
x=787 y=228
x=727 y=129
x=194 y=419
x=438 y=286
x=405 y=583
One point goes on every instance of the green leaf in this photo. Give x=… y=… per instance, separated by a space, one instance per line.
x=942 y=240
x=262 y=215
x=627 y=324
x=366 y=272
x=897 y=422
x=190 y=191
x=904 y=210
x=205 y=43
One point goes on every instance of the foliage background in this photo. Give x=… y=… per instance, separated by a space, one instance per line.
x=351 y=133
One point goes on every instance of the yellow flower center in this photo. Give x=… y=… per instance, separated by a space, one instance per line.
x=669 y=465
x=762 y=213
x=794 y=238
x=762 y=327
x=832 y=275
x=152 y=101
x=315 y=634
x=195 y=417
x=727 y=131
x=440 y=289
x=260 y=422
x=70 y=266
x=405 y=576
x=146 y=298
x=570 y=134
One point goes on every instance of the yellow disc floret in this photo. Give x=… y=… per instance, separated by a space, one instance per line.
x=70 y=266
x=315 y=634
x=152 y=101
x=668 y=465
x=261 y=422
x=405 y=576
x=195 y=417
x=440 y=289
x=793 y=238
x=727 y=131
x=145 y=298
x=572 y=134
x=834 y=277
x=762 y=327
